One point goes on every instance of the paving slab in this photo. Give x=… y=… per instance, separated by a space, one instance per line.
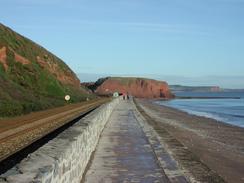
x=124 y=153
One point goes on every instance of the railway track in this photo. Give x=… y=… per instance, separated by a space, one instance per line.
x=21 y=137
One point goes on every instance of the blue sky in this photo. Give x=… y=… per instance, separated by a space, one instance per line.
x=164 y=39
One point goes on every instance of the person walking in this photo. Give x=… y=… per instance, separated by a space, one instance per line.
x=123 y=96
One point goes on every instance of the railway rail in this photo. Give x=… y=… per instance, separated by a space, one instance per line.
x=23 y=135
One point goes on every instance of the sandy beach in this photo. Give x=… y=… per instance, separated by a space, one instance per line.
x=209 y=150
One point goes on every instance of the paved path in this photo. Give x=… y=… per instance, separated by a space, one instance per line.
x=124 y=153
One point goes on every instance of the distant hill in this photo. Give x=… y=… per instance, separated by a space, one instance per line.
x=32 y=78
x=181 y=88
x=233 y=90
x=138 y=87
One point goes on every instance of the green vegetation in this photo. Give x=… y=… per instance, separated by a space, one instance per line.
x=30 y=87
x=123 y=80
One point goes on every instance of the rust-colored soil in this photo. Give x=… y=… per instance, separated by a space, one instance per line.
x=3 y=57
x=21 y=59
x=64 y=76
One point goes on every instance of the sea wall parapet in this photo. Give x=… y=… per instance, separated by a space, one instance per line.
x=64 y=158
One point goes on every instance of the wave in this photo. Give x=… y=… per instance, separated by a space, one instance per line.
x=204 y=114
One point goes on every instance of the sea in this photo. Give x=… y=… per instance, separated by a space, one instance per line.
x=227 y=110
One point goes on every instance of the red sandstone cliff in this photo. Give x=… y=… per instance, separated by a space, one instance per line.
x=138 y=87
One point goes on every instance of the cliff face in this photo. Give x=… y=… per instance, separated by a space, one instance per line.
x=137 y=87
x=15 y=48
x=32 y=78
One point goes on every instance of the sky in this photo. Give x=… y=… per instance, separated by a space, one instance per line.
x=193 y=42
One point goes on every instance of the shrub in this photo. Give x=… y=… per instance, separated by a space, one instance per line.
x=10 y=108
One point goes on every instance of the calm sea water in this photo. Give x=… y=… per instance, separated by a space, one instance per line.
x=226 y=110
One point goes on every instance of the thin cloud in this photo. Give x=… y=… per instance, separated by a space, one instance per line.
x=129 y=26
x=140 y=26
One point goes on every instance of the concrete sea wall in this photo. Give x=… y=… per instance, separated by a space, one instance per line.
x=63 y=159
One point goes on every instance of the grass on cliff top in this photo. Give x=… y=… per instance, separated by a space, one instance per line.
x=128 y=80
x=123 y=80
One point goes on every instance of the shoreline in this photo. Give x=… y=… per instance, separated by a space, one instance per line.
x=201 y=116
x=218 y=145
x=178 y=97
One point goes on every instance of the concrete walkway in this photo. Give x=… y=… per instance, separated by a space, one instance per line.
x=124 y=154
